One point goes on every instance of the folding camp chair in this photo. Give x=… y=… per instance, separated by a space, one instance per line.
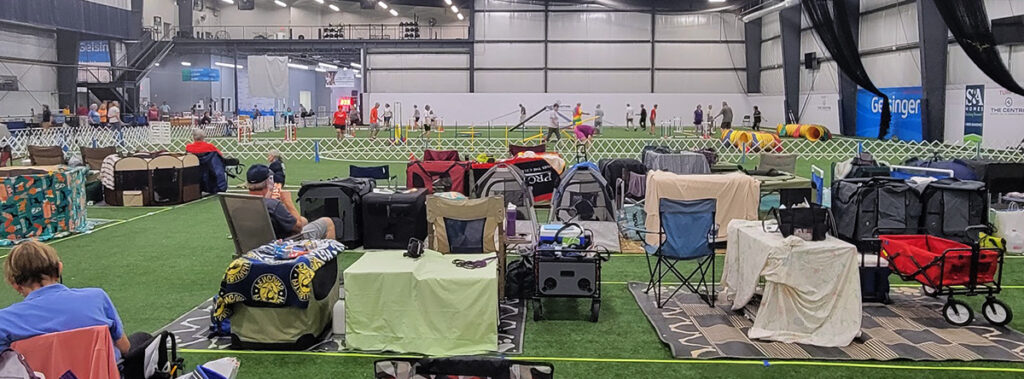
x=46 y=155
x=248 y=221
x=781 y=162
x=94 y=156
x=466 y=226
x=687 y=232
x=376 y=173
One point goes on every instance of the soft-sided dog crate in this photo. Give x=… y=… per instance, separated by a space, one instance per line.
x=391 y=219
x=951 y=205
x=341 y=200
x=288 y=328
x=41 y=202
x=615 y=169
x=583 y=195
x=441 y=155
x=866 y=207
x=143 y=180
x=999 y=177
x=440 y=176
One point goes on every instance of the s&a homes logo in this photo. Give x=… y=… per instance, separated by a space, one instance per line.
x=1011 y=105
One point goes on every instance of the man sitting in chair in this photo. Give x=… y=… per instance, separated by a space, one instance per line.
x=34 y=270
x=284 y=216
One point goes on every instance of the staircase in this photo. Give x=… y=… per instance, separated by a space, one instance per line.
x=124 y=87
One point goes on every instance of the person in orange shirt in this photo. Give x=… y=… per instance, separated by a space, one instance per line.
x=103 y=113
x=340 y=119
x=374 y=122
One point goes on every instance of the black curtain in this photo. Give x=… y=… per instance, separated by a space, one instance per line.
x=968 y=20
x=832 y=23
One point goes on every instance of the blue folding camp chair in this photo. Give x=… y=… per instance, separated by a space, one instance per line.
x=687 y=233
x=376 y=173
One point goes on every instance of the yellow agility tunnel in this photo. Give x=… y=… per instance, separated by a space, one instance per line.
x=755 y=141
x=812 y=132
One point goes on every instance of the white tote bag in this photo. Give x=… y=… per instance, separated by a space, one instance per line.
x=1006 y=221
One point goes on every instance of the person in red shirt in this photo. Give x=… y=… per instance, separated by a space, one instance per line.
x=153 y=114
x=374 y=124
x=653 y=116
x=340 y=119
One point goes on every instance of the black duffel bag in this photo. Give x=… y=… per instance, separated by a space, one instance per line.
x=809 y=223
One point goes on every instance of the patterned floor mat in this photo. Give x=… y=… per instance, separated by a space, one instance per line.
x=909 y=328
x=191 y=330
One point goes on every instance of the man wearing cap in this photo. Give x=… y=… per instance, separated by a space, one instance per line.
x=283 y=215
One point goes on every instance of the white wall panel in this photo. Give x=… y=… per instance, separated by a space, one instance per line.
x=890 y=27
x=823 y=80
x=700 y=81
x=503 y=5
x=37 y=84
x=701 y=26
x=1003 y=8
x=770 y=26
x=771 y=53
x=809 y=43
x=605 y=55
x=962 y=70
x=418 y=81
x=509 y=26
x=509 y=81
x=509 y=55
x=867 y=5
x=599 y=26
x=599 y=81
x=899 y=69
x=681 y=55
x=772 y=82
x=384 y=61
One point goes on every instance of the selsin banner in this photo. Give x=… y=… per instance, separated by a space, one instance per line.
x=905 y=103
x=974 y=109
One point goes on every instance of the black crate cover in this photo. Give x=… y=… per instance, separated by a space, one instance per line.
x=391 y=219
x=865 y=207
x=341 y=200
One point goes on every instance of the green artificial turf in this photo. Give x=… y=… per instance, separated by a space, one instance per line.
x=157 y=263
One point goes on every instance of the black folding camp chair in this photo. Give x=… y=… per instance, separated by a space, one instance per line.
x=376 y=173
x=248 y=221
x=687 y=232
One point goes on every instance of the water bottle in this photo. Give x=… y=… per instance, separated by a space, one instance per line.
x=1015 y=242
x=826 y=197
x=338 y=323
x=510 y=220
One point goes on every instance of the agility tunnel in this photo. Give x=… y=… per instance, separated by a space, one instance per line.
x=751 y=140
x=812 y=132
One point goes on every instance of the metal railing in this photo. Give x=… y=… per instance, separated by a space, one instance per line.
x=335 y=32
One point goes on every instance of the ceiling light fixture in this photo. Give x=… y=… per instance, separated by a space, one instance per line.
x=394 y=12
x=382 y=5
x=228 y=1
x=327 y=65
x=334 y=7
x=455 y=9
x=320 y=1
x=320 y=69
x=186 y=64
x=449 y=2
x=157 y=64
x=280 y=3
x=298 y=66
x=228 y=65
x=354 y=64
x=459 y=15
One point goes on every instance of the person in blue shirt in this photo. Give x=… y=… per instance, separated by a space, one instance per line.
x=34 y=270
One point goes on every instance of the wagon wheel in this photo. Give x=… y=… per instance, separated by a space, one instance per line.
x=957 y=312
x=595 y=309
x=538 y=310
x=996 y=312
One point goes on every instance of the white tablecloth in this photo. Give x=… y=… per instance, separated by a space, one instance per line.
x=811 y=292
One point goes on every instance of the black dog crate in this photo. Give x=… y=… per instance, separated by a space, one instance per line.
x=568 y=273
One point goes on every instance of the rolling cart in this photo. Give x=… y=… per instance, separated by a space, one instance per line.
x=949 y=268
x=567 y=270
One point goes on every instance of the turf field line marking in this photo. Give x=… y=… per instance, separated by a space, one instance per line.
x=765 y=363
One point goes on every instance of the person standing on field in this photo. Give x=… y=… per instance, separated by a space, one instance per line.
x=629 y=116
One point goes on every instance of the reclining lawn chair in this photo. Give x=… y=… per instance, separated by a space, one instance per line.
x=781 y=162
x=46 y=155
x=687 y=232
x=376 y=173
x=248 y=221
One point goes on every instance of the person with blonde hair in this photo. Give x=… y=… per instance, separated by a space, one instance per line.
x=34 y=270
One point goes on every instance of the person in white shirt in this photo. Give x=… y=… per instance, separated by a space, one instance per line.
x=629 y=116
x=114 y=115
x=428 y=121
x=415 y=117
x=599 y=113
x=387 y=116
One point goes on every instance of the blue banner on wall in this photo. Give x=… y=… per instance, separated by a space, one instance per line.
x=974 y=109
x=94 y=52
x=200 y=75
x=905 y=103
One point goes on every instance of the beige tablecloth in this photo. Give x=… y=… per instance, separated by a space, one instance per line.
x=811 y=291
x=738 y=196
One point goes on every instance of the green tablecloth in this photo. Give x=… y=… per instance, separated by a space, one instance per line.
x=426 y=306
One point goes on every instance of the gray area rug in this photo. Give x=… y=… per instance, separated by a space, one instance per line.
x=909 y=328
x=191 y=330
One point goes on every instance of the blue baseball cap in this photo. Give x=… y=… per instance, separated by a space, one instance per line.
x=257 y=174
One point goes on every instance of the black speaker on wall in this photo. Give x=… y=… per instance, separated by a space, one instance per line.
x=811 y=61
x=246 y=5
x=367 y=4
